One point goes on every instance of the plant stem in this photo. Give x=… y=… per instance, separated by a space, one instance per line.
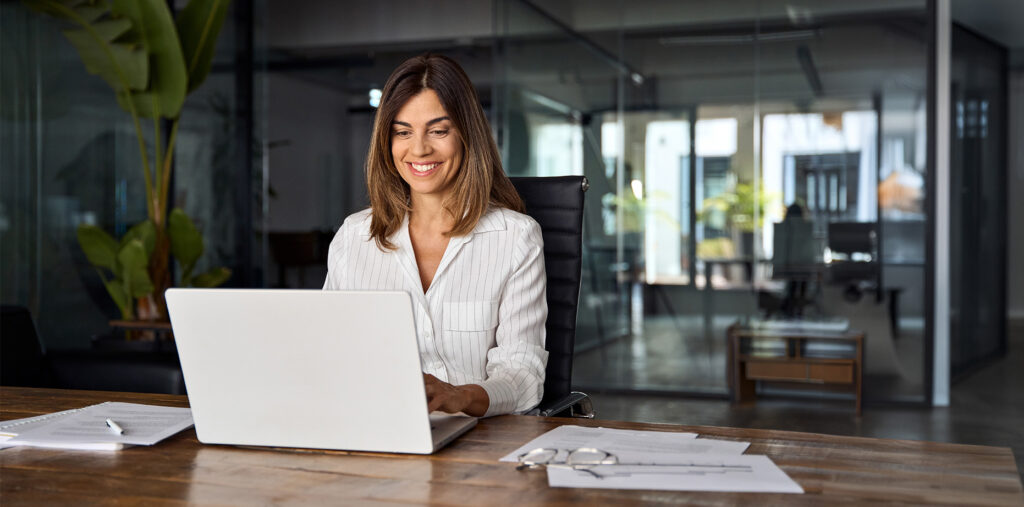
x=150 y=208
x=165 y=170
x=158 y=142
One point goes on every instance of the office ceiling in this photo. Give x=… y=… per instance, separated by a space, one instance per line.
x=705 y=60
x=696 y=50
x=999 y=20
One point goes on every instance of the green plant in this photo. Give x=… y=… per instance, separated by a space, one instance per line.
x=735 y=209
x=635 y=210
x=123 y=265
x=716 y=248
x=151 y=61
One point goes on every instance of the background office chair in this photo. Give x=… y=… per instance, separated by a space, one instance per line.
x=22 y=359
x=556 y=203
x=25 y=362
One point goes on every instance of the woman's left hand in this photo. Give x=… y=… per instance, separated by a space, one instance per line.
x=470 y=399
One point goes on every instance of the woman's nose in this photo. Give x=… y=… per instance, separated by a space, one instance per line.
x=420 y=146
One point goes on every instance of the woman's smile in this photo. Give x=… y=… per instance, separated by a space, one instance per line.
x=422 y=169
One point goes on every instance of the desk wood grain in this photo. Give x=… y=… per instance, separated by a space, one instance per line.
x=181 y=470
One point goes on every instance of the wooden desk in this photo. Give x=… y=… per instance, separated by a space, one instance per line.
x=794 y=364
x=831 y=469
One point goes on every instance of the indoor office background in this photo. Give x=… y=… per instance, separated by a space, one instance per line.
x=698 y=124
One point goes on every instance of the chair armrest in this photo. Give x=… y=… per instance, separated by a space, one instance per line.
x=575 y=404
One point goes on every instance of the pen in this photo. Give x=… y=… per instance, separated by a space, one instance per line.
x=116 y=428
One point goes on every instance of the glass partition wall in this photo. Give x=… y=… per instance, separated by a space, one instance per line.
x=729 y=146
x=703 y=131
x=978 y=164
x=69 y=156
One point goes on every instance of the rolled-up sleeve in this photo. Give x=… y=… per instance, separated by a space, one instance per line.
x=516 y=365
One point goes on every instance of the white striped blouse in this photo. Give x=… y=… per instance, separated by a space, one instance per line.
x=481 y=321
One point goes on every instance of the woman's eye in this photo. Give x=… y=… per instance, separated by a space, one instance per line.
x=439 y=133
x=402 y=133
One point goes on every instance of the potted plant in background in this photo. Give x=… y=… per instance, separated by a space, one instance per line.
x=734 y=211
x=152 y=61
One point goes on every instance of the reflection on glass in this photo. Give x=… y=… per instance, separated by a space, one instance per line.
x=978 y=225
x=901 y=191
x=69 y=156
x=666 y=214
x=692 y=169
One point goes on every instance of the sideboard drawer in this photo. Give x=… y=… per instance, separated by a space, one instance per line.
x=771 y=370
x=831 y=373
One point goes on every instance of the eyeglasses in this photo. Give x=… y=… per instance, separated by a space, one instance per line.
x=582 y=458
x=592 y=461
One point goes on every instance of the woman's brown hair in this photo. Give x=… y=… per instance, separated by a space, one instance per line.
x=479 y=182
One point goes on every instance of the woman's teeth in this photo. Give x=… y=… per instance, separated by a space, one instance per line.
x=424 y=168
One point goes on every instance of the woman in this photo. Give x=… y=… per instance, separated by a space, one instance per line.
x=446 y=225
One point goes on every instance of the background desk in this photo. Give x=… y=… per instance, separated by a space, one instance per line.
x=793 y=364
x=831 y=469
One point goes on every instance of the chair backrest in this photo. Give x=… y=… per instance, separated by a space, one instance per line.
x=21 y=355
x=556 y=203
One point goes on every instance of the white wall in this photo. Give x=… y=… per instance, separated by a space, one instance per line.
x=1015 y=205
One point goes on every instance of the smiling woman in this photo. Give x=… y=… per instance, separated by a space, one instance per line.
x=447 y=226
x=426 y=148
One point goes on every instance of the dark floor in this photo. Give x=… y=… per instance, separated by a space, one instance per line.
x=675 y=354
x=987 y=408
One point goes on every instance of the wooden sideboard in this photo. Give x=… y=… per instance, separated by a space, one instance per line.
x=793 y=363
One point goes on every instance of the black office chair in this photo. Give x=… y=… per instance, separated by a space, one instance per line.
x=556 y=203
x=22 y=359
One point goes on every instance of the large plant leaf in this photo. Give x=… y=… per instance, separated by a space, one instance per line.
x=91 y=11
x=119 y=293
x=186 y=242
x=141 y=101
x=99 y=247
x=143 y=231
x=134 y=262
x=121 y=64
x=199 y=24
x=168 y=78
x=109 y=29
x=88 y=10
x=212 y=278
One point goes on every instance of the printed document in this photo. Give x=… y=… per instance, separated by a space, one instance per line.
x=86 y=428
x=632 y=446
x=10 y=429
x=658 y=460
x=698 y=472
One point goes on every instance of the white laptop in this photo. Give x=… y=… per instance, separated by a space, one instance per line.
x=306 y=368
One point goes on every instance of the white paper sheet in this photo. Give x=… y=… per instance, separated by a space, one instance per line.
x=699 y=472
x=9 y=429
x=632 y=446
x=86 y=428
x=12 y=427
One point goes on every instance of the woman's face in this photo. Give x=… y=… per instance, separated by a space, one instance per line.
x=426 y=148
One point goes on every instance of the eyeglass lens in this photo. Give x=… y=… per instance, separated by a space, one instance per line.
x=586 y=457
x=582 y=457
x=538 y=457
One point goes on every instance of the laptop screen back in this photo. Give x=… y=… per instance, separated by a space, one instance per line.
x=302 y=368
